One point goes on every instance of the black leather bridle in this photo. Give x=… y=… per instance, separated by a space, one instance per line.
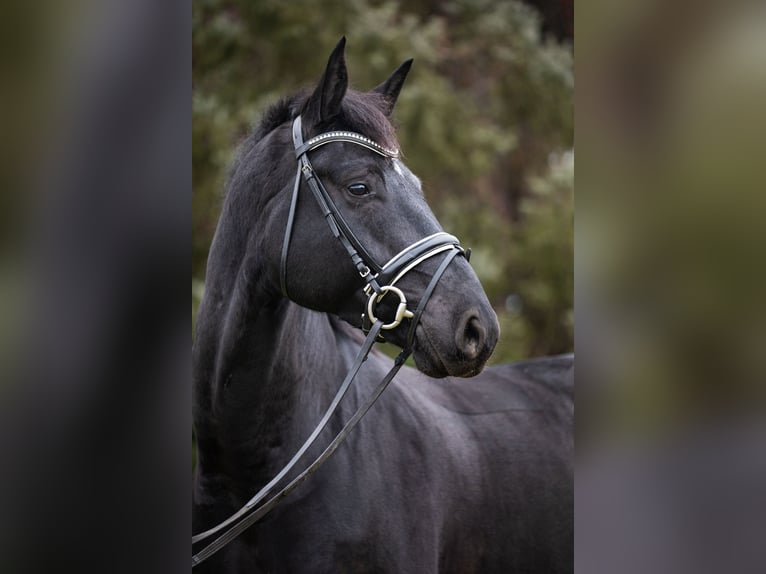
x=379 y=280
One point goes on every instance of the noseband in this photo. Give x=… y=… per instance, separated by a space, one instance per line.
x=379 y=281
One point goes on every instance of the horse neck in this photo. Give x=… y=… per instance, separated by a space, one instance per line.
x=264 y=368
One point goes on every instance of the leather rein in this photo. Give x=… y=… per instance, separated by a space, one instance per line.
x=379 y=280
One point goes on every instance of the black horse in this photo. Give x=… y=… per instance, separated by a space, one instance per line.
x=443 y=474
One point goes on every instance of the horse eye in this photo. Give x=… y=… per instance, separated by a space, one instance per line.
x=358 y=189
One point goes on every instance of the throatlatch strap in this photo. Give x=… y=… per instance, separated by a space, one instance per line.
x=288 y=235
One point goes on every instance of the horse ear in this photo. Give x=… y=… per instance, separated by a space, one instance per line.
x=391 y=87
x=324 y=103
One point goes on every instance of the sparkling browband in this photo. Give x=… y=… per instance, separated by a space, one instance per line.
x=351 y=137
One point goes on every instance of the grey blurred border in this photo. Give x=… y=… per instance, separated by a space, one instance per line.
x=95 y=409
x=670 y=317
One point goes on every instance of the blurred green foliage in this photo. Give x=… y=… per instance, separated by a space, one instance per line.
x=485 y=120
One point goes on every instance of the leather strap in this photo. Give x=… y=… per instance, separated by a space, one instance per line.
x=415 y=254
x=362 y=260
x=426 y=296
x=288 y=235
x=351 y=137
x=334 y=219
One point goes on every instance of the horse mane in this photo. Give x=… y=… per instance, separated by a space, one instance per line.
x=284 y=110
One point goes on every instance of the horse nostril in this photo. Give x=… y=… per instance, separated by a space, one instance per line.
x=470 y=337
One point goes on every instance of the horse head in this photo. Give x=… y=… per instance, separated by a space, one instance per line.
x=370 y=194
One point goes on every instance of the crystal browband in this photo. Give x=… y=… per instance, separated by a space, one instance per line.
x=351 y=137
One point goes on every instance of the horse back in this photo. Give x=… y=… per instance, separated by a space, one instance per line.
x=509 y=435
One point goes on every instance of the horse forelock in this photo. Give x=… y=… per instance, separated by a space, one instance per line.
x=362 y=113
